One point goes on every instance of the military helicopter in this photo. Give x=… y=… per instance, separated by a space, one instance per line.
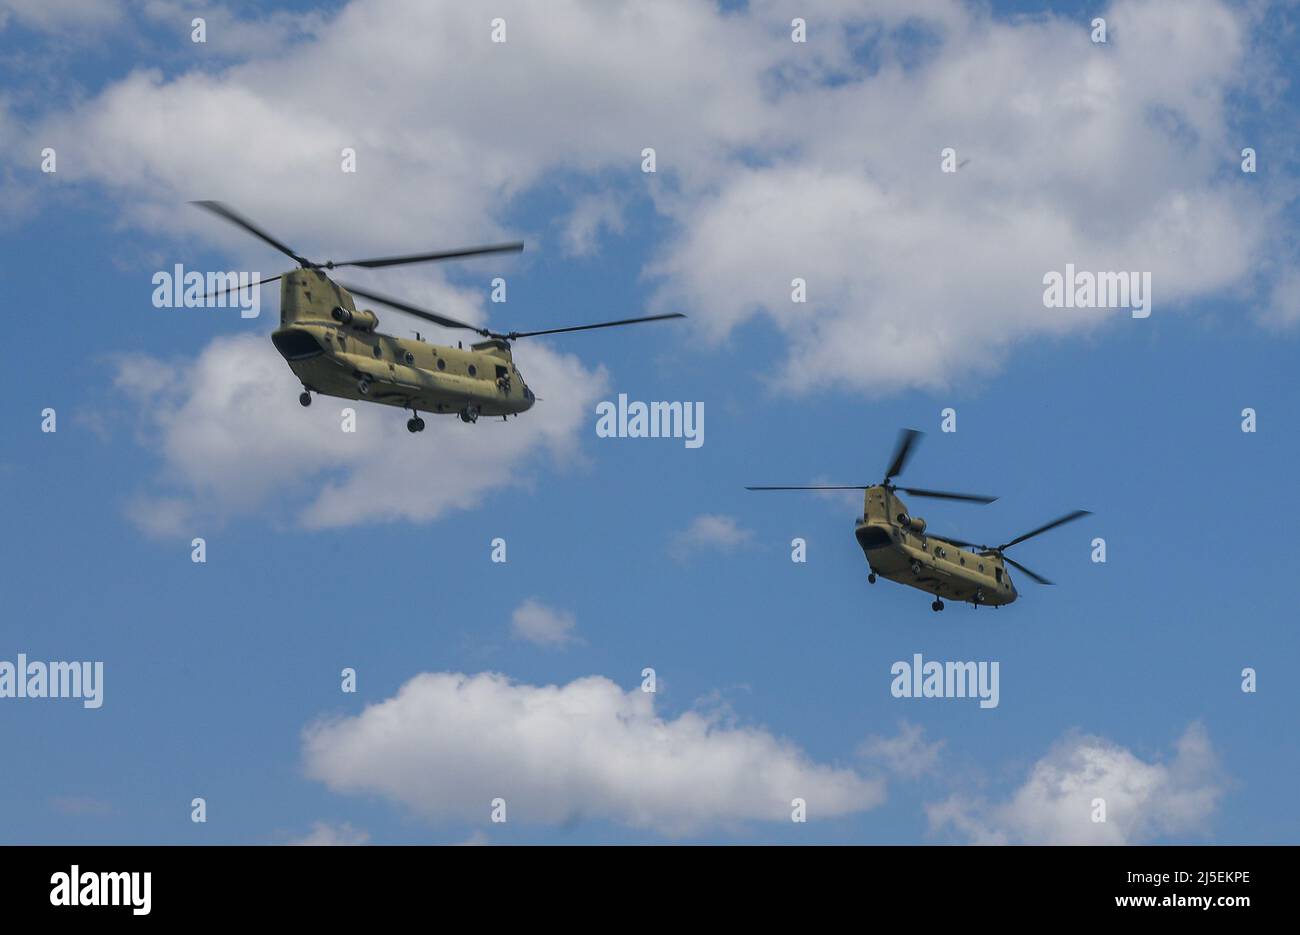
x=335 y=349
x=898 y=547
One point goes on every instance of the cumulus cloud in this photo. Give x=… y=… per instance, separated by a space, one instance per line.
x=907 y=754
x=1114 y=157
x=447 y=744
x=1144 y=801
x=536 y=623
x=592 y=215
x=711 y=531
x=64 y=16
x=233 y=440
x=227 y=33
x=568 y=92
x=325 y=834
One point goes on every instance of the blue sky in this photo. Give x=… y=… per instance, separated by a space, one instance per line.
x=1124 y=676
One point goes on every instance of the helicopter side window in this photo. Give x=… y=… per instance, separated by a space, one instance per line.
x=997 y=573
x=442 y=364
x=410 y=358
x=379 y=351
x=473 y=371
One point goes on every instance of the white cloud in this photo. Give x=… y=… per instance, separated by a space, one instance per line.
x=447 y=744
x=1283 y=308
x=1144 y=800
x=908 y=754
x=227 y=33
x=536 y=623
x=233 y=440
x=592 y=215
x=569 y=92
x=711 y=531
x=324 y=834
x=77 y=16
x=1110 y=158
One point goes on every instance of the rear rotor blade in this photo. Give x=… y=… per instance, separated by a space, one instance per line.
x=946 y=495
x=906 y=441
x=1033 y=574
x=237 y=286
x=239 y=220
x=1060 y=521
x=604 y=324
x=414 y=310
x=379 y=262
x=813 y=487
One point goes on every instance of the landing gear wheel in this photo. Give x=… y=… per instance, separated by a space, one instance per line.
x=363 y=386
x=415 y=424
x=937 y=605
x=304 y=398
x=916 y=568
x=979 y=597
x=871 y=578
x=469 y=414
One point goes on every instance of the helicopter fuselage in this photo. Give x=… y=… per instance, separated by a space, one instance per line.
x=898 y=547
x=335 y=349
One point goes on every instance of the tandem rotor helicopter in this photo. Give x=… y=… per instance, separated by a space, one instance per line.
x=898 y=547
x=335 y=349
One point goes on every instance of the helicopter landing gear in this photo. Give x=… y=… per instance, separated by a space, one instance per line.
x=979 y=597
x=304 y=398
x=469 y=414
x=414 y=424
x=916 y=568
x=937 y=605
x=871 y=578
x=363 y=386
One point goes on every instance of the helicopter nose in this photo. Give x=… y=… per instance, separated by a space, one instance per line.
x=529 y=399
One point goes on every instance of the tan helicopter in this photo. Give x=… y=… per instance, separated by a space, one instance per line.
x=898 y=547
x=335 y=349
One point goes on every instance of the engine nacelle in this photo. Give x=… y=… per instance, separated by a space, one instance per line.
x=360 y=320
x=914 y=523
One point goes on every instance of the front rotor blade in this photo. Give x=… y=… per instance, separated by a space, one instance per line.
x=237 y=286
x=1033 y=574
x=812 y=487
x=947 y=495
x=604 y=324
x=414 y=310
x=1061 y=521
x=239 y=220
x=906 y=440
x=378 y=262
